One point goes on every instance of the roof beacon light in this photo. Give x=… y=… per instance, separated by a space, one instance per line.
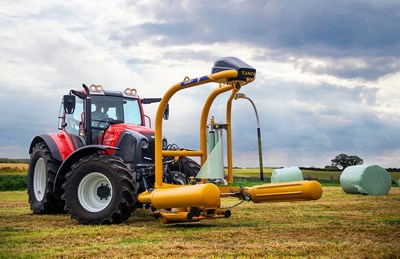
x=96 y=89
x=130 y=91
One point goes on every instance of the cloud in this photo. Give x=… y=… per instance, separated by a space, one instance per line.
x=326 y=84
x=341 y=26
x=313 y=121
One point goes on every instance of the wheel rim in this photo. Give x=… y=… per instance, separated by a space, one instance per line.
x=95 y=192
x=39 y=179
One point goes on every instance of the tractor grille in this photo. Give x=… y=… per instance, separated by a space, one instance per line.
x=148 y=153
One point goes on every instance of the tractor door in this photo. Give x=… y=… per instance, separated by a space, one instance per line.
x=72 y=123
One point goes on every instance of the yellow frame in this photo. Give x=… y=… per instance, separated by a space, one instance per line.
x=220 y=77
x=205 y=197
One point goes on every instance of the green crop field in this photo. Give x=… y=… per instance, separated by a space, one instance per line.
x=338 y=225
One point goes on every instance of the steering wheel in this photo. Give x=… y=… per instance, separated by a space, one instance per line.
x=105 y=121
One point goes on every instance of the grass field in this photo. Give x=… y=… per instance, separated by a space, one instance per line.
x=21 y=168
x=324 y=176
x=13 y=176
x=338 y=225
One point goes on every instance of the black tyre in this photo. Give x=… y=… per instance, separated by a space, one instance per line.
x=190 y=167
x=186 y=166
x=41 y=174
x=182 y=170
x=100 y=189
x=179 y=178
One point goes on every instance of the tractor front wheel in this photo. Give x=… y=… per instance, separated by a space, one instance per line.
x=41 y=174
x=100 y=189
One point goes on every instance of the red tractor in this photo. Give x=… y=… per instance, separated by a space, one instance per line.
x=101 y=158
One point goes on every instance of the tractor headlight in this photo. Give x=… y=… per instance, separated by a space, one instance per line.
x=130 y=91
x=96 y=89
x=144 y=143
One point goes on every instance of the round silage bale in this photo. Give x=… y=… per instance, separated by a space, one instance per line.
x=366 y=179
x=288 y=174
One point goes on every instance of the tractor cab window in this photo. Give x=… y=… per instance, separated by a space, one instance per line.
x=132 y=112
x=99 y=112
x=108 y=110
x=114 y=109
x=73 y=121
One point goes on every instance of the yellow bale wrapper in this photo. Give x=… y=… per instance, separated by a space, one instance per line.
x=202 y=198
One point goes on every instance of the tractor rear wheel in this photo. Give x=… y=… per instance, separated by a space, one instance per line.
x=190 y=167
x=100 y=189
x=41 y=174
x=182 y=170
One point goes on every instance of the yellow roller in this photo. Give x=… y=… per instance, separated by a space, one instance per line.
x=183 y=196
x=289 y=191
x=175 y=216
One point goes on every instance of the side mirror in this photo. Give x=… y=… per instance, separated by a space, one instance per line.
x=166 y=112
x=69 y=104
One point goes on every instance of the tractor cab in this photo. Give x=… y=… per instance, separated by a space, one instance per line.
x=87 y=118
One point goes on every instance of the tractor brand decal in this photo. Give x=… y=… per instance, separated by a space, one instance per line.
x=203 y=78
x=190 y=81
x=195 y=80
x=248 y=73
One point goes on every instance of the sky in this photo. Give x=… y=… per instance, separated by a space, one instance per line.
x=327 y=83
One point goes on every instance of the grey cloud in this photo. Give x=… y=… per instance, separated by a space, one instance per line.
x=329 y=120
x=188 y=54
x=314 y=27
x=25 y=116
x=297 y=120
x=367 y=30
x=369 y=68
x=138 y=61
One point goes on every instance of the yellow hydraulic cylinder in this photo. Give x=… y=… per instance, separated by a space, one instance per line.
x=183 y=196
x=288 y=191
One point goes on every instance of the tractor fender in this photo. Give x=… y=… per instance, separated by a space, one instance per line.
x=73 y=158
x=46 y=138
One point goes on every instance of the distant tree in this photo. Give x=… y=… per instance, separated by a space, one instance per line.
x=344 y=161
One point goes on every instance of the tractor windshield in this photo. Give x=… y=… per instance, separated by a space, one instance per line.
x=114 y=109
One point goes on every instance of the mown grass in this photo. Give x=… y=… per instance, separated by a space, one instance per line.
x=338 y=225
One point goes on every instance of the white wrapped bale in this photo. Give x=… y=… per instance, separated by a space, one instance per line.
x=366 y=179
x=289 y=174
